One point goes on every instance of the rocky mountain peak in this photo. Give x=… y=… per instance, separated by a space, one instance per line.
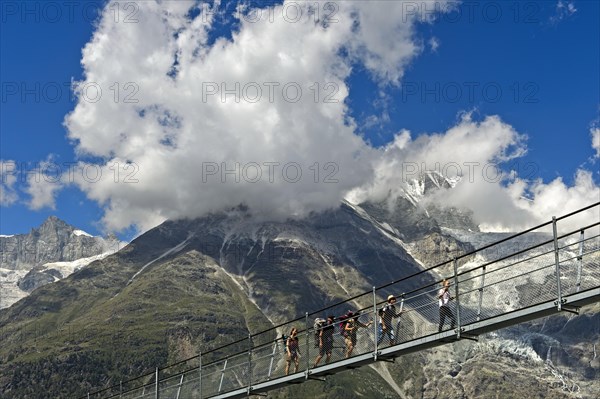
x=53 y=241
x=53 y=227
x=46 y=254
x=53 y=222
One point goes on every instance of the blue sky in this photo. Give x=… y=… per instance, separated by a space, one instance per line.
x=536 y=65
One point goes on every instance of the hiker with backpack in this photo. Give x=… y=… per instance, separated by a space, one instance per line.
x=293 y=351
x=351 y=325
x=386 y=316
x=325 y=340
x=443 y=301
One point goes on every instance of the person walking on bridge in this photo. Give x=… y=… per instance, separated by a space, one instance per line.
x=386 y=316
x=326 y=341
x=293 y=351
x=351 y=329
x=444 y=299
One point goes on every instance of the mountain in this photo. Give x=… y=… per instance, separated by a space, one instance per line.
x=190 y=285
x=46 y=254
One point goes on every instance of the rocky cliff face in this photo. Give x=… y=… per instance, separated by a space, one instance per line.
x=45 y=255
x=53 y=241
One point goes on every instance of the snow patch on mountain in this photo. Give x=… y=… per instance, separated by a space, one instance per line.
x=81 y=233
x=295 y=241
x=10 y=292
x=67 y=268
x=171 y=251
x=384 y=227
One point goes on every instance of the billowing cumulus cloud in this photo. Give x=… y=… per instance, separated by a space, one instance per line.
x=43 y=182
x=260 y=119
x=185 y=123
x=483 y=159
x=473 y=154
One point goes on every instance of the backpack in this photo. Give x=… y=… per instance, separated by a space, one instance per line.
x=317 y=326
x=386 y=314
x=344 y=320
x=284 y=339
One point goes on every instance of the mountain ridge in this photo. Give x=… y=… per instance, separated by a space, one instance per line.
x=46 y=254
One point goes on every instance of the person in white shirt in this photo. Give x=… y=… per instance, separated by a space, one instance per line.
x=443 y=300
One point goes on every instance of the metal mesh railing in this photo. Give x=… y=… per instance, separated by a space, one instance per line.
x=492 y=281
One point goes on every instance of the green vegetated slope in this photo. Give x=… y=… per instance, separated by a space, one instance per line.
x=88 y=336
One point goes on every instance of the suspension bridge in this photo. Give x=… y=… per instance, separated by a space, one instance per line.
x=550 y=268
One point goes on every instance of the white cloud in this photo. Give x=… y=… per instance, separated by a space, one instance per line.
x=477 y=152
x=177 y=133
x=470 y=149
x=556 y=198
x=43 y=184
x=8 y=178
x=595 y=133
x=473 y=151
x=564 y=9
x=434 y=43
x=177 y=149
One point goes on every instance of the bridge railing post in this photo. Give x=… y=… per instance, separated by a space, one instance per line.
x=579 y=261
x=179 y=387
x=222 y=375
x=272 y=359
x=200 y=373
x=156 y=390
x=557 y=263
x=481 y=286
x=249 y=363
x=307 y=345
x=457 y=298
x=375 y=325
x=398 y=322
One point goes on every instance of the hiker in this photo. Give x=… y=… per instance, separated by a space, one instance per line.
x=386 y=315
x=443 y=300
x=293 y=351
x=326 y=340
x=351 y=327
